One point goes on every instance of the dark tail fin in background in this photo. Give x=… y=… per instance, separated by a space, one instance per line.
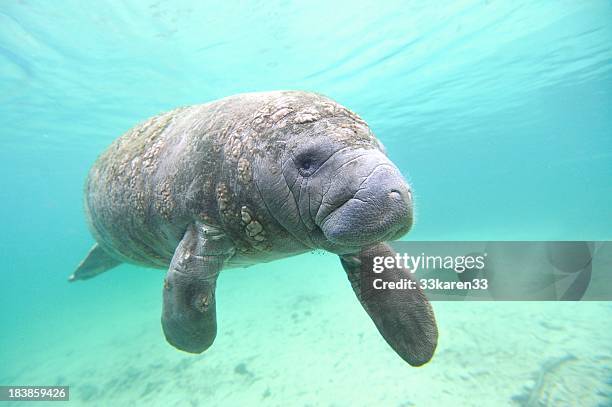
x=96 y=262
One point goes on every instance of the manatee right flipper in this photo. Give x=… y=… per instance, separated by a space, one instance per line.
x=189 y=316
x=403 y=317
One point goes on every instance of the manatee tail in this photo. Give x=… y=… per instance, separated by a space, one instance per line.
x=96 y=262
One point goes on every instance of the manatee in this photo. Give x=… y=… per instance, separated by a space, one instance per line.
x=250 y=179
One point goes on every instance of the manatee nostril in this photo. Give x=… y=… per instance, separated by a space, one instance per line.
x=395 y=194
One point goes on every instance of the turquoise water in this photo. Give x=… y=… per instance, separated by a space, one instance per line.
x=499 y=113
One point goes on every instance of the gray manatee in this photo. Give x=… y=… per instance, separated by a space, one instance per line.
x=249 y=179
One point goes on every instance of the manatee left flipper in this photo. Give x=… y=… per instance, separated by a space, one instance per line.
x=189 y=316
x=403 y=317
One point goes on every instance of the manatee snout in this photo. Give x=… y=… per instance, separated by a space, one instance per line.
x=378 y=209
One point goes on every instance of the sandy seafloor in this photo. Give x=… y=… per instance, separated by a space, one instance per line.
x=291 y=333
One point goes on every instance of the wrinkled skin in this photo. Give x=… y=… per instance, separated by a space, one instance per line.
x=338 y=195
x=250 y=179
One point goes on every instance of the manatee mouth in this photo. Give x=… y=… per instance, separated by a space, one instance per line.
x=346 y=228
x=380 y=210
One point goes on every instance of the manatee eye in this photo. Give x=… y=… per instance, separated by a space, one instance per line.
x=306 y=166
